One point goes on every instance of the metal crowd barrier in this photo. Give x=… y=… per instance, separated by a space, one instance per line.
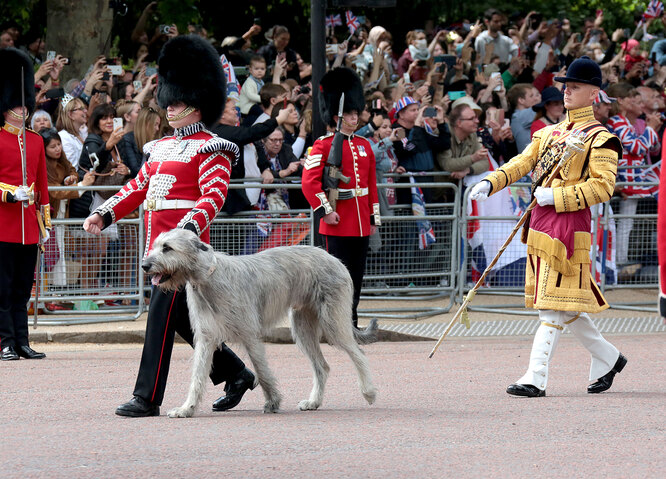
x=86 y=278
x=98 y=279
x=507 y=278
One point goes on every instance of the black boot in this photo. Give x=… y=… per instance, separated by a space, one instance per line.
x=606 y=381
x=138 y=407
x=525 y=390
x=235 y=390
x=28 y=353
x=9 y=354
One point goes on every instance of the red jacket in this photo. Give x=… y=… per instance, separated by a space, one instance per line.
x=11 y=174
x=661 y=229
x=358 y=163
x=194 y=165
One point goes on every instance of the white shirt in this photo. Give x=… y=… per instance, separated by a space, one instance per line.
x=504 y=47
x=72 y=146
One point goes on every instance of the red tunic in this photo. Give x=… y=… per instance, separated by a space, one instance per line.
x=358 y=163
x=193 y=165
x=11 y=173
x=661 y=231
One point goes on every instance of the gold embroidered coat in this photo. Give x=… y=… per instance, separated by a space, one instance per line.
x=558 y=279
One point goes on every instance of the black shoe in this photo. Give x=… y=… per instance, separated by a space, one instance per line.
x=28 y=353
x=606 y=381
x=235 y=390
x=138 y=407
x=8 y=354
x=525 y=390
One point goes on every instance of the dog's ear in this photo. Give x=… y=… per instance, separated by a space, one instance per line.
x=200 y=244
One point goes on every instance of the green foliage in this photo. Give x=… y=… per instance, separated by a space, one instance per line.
x=27 y=14
x=180 y=12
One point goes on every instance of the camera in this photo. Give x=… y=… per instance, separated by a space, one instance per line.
x=116 y=70
x=54 y=93
x=165 y=29
x=430 y=112
x=305 y=89
x=106 y=76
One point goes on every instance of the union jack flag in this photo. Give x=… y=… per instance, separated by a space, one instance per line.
x=226 y=66
x=654 y=9
x=333 y=21
x=426 y=233
x=352 y=21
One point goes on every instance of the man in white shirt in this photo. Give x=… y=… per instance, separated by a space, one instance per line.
x=503 y=46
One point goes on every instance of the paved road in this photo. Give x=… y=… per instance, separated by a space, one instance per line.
x=443 y=417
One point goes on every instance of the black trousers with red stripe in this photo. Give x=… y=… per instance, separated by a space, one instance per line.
x=168 y=314
x=353 y=252
x=17 y=272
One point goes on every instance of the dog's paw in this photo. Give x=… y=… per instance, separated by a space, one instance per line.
x=370 y=396
x=181 y=412
x=306 y=405
x=271 y=406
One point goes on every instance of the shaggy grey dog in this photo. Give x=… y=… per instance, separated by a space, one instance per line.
x=236 y=298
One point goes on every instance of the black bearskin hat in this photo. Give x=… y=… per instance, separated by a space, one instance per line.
x=12 y=60
x=332 y=85
x=190 y=72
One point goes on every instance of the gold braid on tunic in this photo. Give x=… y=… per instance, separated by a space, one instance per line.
x=586 y=179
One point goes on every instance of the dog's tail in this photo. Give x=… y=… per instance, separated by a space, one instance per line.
x=367 y=335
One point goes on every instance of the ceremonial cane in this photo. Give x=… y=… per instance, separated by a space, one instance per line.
x=574 y=144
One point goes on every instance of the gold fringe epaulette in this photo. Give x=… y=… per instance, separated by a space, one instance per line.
x=330 y=133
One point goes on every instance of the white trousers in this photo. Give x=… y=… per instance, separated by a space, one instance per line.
x=604 y=354
x=624 y=226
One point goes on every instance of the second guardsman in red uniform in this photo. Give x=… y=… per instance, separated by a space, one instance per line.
x=182 y=184
x=346 y=223
x=23 y=197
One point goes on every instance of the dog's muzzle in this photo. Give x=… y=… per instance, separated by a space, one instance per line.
x=156 y=279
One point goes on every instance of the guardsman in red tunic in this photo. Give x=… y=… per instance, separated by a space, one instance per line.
x=24 y=196
x=182 y=184
x=347 y=222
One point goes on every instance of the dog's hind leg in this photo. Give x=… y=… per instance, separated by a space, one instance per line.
x=204 y=347
x=306 y=333
x=257 y=352
x=335 y=320
x=361 y=363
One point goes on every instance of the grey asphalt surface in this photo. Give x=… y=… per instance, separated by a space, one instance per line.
x=440 y=417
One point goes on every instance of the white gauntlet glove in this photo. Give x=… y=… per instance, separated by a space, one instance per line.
x=544 y=196
x=480 y=191
x=23 y=193
x=47 y=235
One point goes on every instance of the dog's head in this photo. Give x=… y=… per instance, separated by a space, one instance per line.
x=177 y=256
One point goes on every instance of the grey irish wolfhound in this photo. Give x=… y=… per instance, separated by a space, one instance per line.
x=236 y=298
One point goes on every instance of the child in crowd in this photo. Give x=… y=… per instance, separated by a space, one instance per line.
x=249 y=95
x=633 y=54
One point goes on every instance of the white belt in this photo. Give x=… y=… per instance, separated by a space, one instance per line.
x=157 y=205
x=344 y=193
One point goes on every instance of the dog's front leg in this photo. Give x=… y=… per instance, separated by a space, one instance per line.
x=203 y=358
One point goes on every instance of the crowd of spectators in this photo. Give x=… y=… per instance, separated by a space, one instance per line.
x=457 y=98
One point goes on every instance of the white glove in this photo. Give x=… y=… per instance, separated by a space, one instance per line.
x=544 y=196
x=480 y=191
x=22 y=193
x=46 y=236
